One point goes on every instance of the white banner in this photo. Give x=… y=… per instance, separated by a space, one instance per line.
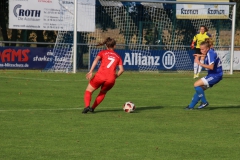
x=51 y=15
x=190 y=11
x=225 y=57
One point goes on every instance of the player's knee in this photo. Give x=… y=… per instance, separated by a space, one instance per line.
x=204 y=87
x=195 y=84
x=200 y=82
x=90 y=88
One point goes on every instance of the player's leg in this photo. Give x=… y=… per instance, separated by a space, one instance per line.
x=195 y=100
x=94 y=84
x=206 y=82
x=104 y=89
x=195 y=68
x=195 y=64
x=87 y=97
x=88 y=94
x=200 y=67
x=199 y=87
x=98 y=100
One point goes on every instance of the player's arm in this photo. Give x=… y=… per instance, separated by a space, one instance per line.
x=199 y=55
x=89 y=74
x=210 y=67
x=120 y=71
x=193 y=41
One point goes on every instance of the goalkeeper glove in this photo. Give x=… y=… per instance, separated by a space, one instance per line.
x=192 y=45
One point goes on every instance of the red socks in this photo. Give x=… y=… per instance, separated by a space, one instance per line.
x=87 y=98
x=99 y=99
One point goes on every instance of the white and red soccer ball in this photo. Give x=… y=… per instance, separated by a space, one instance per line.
x=129 y=107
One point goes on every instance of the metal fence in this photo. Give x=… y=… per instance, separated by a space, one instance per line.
x=41 y=38
x=84 y=49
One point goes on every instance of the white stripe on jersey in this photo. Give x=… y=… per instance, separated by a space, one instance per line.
x=208 y=55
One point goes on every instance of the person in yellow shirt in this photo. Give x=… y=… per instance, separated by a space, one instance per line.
x=198 y=39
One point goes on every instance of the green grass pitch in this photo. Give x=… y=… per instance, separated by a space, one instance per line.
x=40 y=118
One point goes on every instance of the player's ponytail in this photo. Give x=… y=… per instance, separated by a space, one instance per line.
x=109 y=42
x=208 y=42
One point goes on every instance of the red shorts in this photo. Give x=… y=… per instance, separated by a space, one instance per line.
x=105 y=84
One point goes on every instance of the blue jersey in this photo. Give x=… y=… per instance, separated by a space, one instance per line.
x=211 y=58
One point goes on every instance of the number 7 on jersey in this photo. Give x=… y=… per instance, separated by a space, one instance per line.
x=111 y=61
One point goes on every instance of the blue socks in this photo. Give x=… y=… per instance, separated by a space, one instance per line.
x=197 y=96
x=195 y=100
x=201 y=94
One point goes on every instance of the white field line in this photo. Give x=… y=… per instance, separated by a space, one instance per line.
x=40 y=109
x=80 y=108
x=62 y=80
x=35 y=79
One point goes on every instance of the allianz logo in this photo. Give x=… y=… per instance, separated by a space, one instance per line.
x=168 y=59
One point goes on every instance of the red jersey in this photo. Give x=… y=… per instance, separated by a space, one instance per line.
x=109 y=62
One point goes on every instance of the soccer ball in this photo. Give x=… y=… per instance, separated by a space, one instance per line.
x=129 y=107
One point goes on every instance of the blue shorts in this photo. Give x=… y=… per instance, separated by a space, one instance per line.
x=211 y=80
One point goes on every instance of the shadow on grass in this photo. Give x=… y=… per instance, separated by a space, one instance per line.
x=226 y=107
x=107 y=110
x=148 y=108
x=138 y=109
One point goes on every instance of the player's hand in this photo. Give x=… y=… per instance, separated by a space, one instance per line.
x=197 y=55
x=192 y=45
x=89 y=75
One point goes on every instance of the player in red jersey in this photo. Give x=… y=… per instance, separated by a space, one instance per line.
x=105 y=76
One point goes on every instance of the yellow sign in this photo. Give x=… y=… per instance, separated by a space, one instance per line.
x=202 y=11
x=202 y=1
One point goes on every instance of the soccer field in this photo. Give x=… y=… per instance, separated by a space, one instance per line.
x=40 y=118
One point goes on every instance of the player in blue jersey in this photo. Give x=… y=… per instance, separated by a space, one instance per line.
x=214 y=66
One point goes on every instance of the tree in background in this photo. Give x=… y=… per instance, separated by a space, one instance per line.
x=4 y=19
x=237 y=13
x=22 y=35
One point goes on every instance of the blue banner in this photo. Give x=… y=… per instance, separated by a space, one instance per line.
x=156 y=59
x=24 y=57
